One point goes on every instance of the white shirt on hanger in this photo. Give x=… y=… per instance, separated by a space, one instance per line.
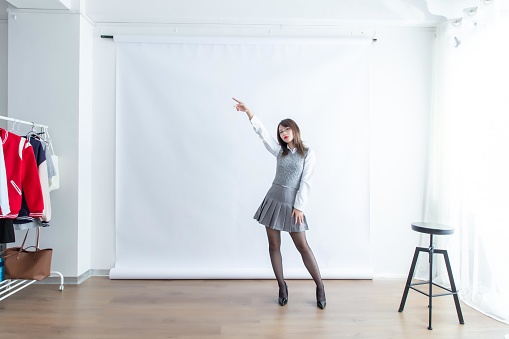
x=4 y=195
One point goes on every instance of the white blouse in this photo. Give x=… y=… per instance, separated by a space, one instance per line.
x=309 y=162
x=4 y=195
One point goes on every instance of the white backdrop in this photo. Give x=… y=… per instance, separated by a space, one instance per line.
x=191 y=172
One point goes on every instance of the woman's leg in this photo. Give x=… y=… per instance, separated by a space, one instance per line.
x=276 y=259
x=301 y=243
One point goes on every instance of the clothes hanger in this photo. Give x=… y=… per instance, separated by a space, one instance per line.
x=32 y=133
x=48 y=139
x=41 y=135
x=13 y=125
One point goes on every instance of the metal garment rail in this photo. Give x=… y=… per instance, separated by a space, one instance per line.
x=10 y=286
x=17 y=121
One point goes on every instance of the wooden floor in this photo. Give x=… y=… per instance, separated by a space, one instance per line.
x=103 y=308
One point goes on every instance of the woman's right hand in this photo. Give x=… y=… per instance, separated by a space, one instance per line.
x=240 y=106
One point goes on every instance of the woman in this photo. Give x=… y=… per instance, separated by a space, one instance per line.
x=283 y=206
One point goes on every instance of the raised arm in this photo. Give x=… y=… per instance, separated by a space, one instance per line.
x=240 y=106
x=270 y=143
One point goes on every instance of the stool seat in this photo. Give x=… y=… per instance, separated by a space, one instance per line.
x=432 y=228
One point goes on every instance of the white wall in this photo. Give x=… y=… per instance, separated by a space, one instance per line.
x=103 y=154
x=3 y=60
x=44 y=86
x=85 y=145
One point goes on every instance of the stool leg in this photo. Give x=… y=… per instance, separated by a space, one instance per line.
x=409 y=280
x=430 y=296
x=453 y=286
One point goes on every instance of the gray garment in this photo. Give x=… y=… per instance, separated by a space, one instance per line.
x=30 y=225
x=49 y=162
x=289 y=169
x=276 y=210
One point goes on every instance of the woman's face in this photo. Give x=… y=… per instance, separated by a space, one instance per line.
x=286 y=134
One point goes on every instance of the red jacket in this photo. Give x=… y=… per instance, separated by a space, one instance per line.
x=22 y=175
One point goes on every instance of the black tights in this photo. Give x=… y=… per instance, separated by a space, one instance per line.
x=300 y=241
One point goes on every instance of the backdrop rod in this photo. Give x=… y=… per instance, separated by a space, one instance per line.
x=111 y=37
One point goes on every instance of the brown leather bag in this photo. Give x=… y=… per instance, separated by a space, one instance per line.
x=21 y=263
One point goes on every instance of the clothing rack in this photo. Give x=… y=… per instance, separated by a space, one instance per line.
x=10 y=286
x=22 y=122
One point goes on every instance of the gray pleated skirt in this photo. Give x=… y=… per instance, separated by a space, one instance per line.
x=276 y=210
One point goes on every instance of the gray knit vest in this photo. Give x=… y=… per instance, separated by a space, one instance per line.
x=289 y=169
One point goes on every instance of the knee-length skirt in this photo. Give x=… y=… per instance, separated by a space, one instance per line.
x=276 y=209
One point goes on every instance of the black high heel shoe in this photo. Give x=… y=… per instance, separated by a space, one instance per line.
x=284 y=301
x=319 y=302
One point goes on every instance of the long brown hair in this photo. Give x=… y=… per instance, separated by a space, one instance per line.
x=297 y=141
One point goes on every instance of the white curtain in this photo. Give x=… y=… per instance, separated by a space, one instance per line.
x=468 y=183
x=191 y=172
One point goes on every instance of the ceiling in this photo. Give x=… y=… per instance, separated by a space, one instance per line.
x=410 y=13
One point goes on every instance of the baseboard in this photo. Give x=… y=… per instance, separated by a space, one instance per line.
x=391 y=276
x=106 y=272
x=75 y=280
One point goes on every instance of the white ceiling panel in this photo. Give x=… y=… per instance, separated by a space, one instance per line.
x=399 y=12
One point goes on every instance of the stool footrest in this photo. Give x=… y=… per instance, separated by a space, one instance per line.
x=433 y=295
x=434 y=284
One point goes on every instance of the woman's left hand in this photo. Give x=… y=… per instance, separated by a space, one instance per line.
x=299 y=216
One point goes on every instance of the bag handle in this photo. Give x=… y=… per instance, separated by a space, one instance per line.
x=25 y=239
x=22 y=245
x=22 y=248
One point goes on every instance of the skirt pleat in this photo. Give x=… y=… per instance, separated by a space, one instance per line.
x=276 y=209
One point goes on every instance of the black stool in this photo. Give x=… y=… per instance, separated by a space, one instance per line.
x=431 y=229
